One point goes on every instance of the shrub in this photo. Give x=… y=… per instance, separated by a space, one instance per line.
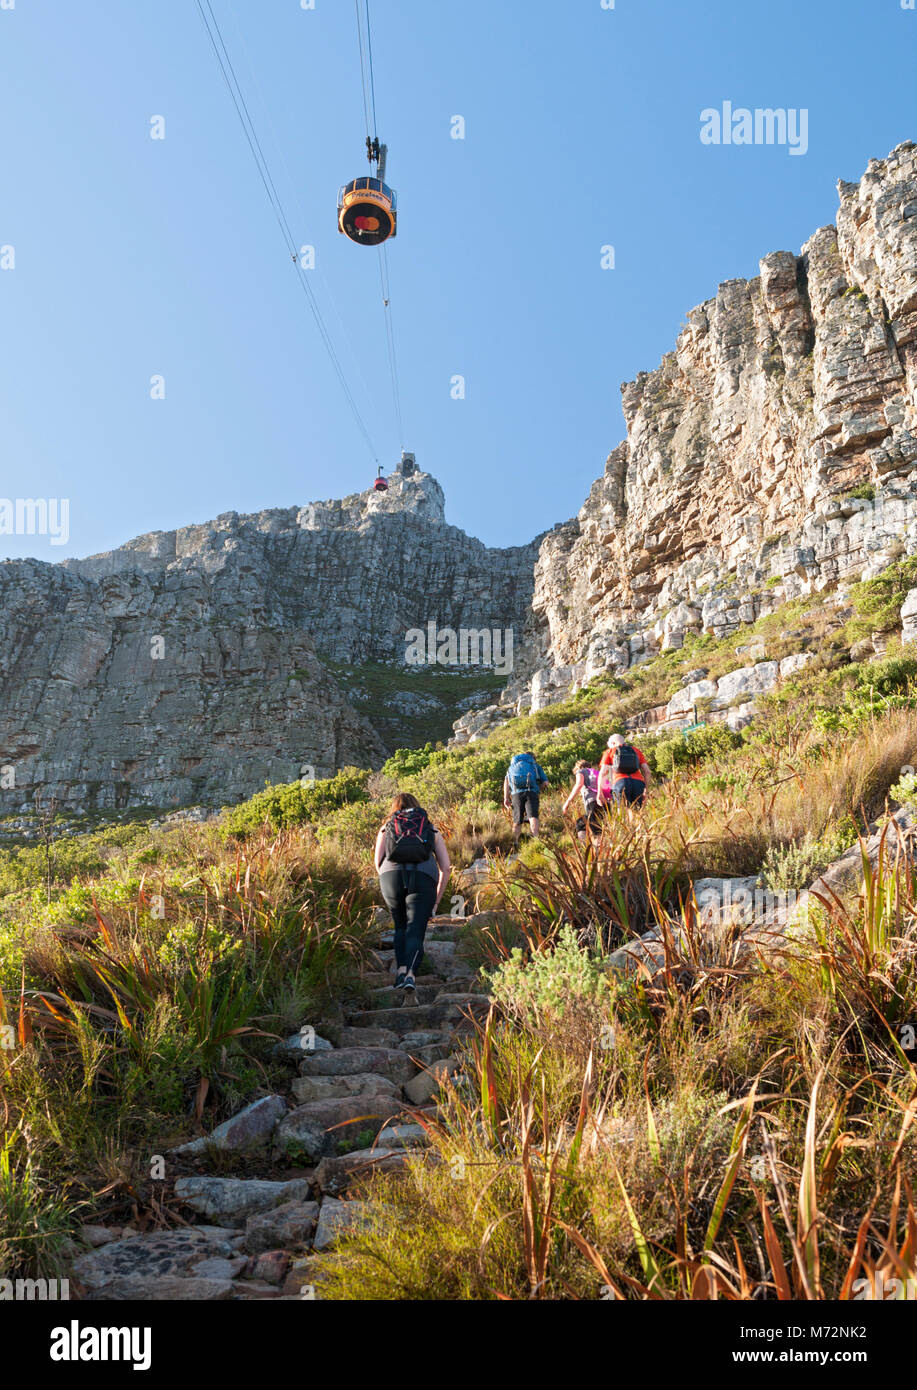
x=878 y=601
x=297 y=803
x=794 y=866
x=905 y=790
x=550 y=982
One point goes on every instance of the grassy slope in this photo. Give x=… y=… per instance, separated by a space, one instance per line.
x=124 y=988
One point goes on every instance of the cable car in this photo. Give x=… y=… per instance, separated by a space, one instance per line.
x=380 y=485
x=367 y=207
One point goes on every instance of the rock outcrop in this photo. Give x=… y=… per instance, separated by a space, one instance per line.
x=731 y=492
x=189 y=666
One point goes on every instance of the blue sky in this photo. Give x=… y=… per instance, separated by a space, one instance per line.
x=136 y=257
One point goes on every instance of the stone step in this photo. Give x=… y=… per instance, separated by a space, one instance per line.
x=447 y=1010
x=423 y=1037
x=366 y=1037
x=336 y=1218
x=317 y=1128
x=406 y=1018
x=349 y=1061
x=234 y=1200
x=428 y=1053
x=439 y=957
x=403 y=1136
x=342 y=1172
x=392 y=998
x=309 y=1088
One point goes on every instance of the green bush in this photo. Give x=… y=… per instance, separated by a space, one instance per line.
x=878 y=601
x=794 y=866
x=905 y=790
x=298 y=803
x=551 y=982
x=687 y=750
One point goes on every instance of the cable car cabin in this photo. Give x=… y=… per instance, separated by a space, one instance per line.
x=380 y=485
x=367 y=211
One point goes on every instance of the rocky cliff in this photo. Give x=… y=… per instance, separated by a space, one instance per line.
x=731 y=492
x=773 y=453
x=189 y=666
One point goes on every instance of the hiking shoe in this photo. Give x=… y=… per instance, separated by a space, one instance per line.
x=399 y=981
x=408 y=984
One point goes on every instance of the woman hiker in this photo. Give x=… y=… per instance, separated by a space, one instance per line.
x=587 y=784
x=413 y=866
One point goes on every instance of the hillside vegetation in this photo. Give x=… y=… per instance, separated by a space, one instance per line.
x=740 y=1123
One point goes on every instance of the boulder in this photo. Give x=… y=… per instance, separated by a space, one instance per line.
x=683 y=701
x=791 y=664
x=747 y=681
x=99 y=1235
x=722 y=899
x=340 y=1171
x=249 y=1129
x=425 y=1086
x=289 y=1226
x=154 y=1256
x=407 y=1136
x=846 y=870
x=320 y=1126
x=337 y=1218
x=270 y=1267
x=234 y=1200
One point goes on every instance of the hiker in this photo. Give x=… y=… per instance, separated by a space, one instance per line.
x=522 y=787
x=413 y=866
x=624 y=773
x=586 y=783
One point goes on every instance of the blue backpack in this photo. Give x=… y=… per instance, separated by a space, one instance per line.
x=524 y=773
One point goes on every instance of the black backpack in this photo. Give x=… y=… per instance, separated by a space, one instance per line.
x=626 y=760
x=409 y=837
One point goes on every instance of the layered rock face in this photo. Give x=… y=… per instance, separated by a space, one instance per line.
x=187 y=666
x=784 y=393
x=190 y=665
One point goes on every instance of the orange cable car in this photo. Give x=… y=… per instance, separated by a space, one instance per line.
x=367 y=211
x=367 y=207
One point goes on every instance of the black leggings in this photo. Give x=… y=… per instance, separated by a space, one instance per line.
x=409 y=896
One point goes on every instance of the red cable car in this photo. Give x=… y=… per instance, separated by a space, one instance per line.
x=380 y=485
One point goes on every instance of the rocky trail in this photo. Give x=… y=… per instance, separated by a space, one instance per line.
x=352 y=1108
x=290 y=1167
